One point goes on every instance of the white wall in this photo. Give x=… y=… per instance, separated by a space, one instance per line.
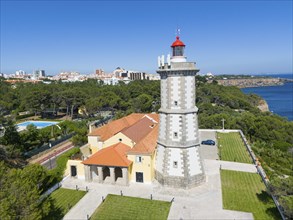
x=160 y=158
x=174 y=127
x=189 y=90
x=164 y=92
x=175 y=156
x=191 y=130
x=162 y=128
x=175 y=92
x=194 y=166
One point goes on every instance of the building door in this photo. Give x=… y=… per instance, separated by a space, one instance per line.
x=73 y=171
x=139 y=177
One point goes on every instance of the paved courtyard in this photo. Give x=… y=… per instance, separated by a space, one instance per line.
x=202 y=202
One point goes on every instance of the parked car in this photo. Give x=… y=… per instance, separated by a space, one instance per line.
x=208 y=142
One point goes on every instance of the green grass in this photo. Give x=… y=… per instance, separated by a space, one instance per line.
x=125 y=207
x=63 y=200
x=245 y=192
x=231 y=148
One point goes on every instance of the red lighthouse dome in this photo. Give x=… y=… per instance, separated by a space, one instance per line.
x=177 y=48
x=178 y=43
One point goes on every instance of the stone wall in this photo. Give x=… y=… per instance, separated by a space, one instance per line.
x=180 y=182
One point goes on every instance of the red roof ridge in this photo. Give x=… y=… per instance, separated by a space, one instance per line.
x=153 y=120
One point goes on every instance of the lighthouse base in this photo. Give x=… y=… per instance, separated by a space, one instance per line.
x=180 y=182
x=179 y=167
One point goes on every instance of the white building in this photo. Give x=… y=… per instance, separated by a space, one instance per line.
x=20 y=73
x=39 y=74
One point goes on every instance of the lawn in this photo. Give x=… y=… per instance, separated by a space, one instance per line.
x=125 y=207
x=231 y=148
x=64 y=200
x=245 y=192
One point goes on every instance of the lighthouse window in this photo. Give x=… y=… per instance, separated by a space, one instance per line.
x=175 y=134
x=175 y=103
x=175 y=164
x=178 y=51
x=138 y=159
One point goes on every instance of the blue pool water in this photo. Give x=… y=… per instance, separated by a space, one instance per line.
x=38 y=124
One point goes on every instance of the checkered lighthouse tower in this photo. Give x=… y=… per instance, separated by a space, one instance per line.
x=178 y=161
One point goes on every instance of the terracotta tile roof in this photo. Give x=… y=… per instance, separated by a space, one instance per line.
x=148 y=144
x=114 y=155
x=140 y=129
x=112 y=128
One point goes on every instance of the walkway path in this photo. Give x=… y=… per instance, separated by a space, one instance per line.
x=202 y=202
x=227 y=165
x=53 y=152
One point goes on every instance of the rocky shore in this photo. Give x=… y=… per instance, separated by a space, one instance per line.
x=252 y=82
x=263 y=106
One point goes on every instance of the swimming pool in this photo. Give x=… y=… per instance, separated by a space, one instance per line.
x=38 y=124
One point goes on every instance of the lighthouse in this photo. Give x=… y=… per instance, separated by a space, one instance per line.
x=178 y=160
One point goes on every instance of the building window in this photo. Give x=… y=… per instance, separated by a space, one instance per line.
x=175 y=134
x=175 y=164
x=138 y=159
x=120 y=139
x=175 y=103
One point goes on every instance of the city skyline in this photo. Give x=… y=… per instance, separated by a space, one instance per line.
x=223 y=37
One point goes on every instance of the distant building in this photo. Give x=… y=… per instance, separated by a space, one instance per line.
x=137 y=75
x=110 y=81
x=39 y=74
x=153 y=76
x=119 y=72
x=20 y=73
x=131 y=75
x=210 y=74
x=100 y=72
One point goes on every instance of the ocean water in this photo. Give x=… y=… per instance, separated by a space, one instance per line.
x=279 y=98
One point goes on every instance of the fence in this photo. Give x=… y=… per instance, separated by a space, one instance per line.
x=45 y=147
x=261 y=172
x=103 y=121
x=52 y=189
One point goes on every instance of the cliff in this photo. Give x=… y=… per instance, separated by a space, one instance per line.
x=263 y=106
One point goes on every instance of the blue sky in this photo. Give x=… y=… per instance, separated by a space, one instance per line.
x=223 y=37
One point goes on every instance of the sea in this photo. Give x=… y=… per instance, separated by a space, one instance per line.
x=279 y=98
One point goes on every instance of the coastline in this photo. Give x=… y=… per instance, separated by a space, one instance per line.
x=278 y=98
